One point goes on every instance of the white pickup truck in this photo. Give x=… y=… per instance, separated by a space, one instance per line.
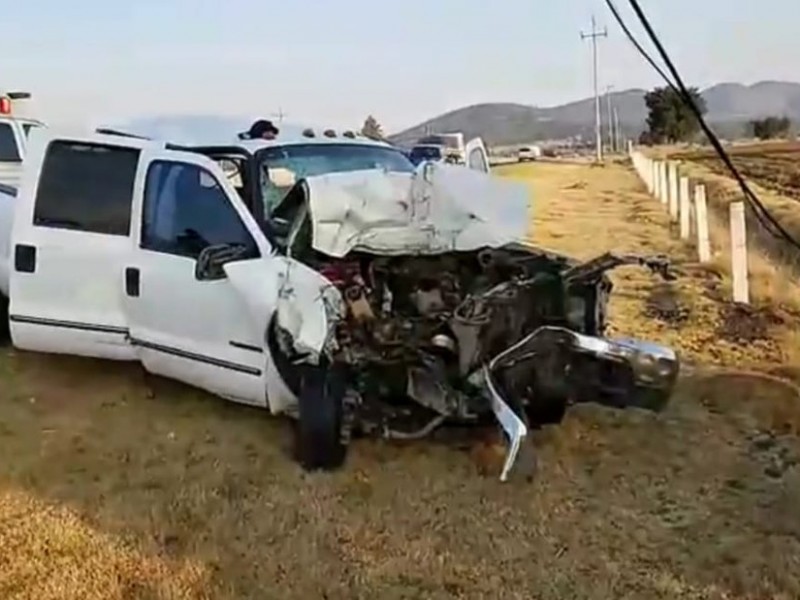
x=319 y=276
x=14 y=129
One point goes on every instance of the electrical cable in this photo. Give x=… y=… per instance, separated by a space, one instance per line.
x=632 y=38
x=763 y=215
x=766 y=220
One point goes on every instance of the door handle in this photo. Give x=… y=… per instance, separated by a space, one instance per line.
x=24 y=258
x=132 y=282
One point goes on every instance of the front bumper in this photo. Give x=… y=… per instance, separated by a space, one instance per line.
x=643 y=375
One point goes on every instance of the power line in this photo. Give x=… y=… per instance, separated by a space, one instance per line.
x=767 y=220
x=595 y=33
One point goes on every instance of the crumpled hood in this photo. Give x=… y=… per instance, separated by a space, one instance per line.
x=439 y=208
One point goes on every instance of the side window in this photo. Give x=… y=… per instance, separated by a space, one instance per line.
x=86 y=187
x=477 y=160
x=8 y=144
x=26 y=128
x=186 y=210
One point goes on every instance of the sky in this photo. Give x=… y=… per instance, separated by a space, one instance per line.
x=336 y=61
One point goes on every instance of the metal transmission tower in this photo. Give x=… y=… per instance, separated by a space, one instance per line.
x=593 y=36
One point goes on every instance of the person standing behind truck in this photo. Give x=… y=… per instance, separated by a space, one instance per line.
x=263 y=129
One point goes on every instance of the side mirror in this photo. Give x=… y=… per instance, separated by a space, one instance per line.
x=212 y=259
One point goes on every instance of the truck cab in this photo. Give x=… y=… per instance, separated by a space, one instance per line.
x=14 y=130
x=110 y=245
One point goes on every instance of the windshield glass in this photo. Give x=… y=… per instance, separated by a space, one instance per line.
x=450 y=141
x=420 y=153
x=284 y=165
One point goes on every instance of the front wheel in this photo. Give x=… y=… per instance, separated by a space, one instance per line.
x=319 y=443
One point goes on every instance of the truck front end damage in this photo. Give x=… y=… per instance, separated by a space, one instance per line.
x=446 y=319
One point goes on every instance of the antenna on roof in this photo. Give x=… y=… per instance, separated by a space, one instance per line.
x=280 y=114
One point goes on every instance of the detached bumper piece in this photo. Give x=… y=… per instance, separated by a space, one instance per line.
x=616 y=372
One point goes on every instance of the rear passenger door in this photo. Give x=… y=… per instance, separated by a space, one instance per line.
x=70 y=239
x=477 y=157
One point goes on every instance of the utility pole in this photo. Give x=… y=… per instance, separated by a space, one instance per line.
x=611 y=138
x=593 y=36
x=618 y=130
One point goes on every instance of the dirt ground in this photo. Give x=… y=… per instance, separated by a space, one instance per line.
x=115 y=487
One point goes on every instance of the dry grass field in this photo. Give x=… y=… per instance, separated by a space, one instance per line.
x=774 y=165
x=114 y=487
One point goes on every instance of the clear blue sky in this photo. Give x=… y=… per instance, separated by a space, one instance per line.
x=334 y=61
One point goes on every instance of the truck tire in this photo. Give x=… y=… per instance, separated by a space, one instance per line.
x=319 y=444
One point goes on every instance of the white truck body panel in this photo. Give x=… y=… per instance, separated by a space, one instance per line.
x=111 y=295
x=7 y=201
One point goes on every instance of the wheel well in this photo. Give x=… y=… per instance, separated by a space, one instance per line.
x=289 y=373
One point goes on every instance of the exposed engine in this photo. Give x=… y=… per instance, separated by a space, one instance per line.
x=427 y=336
x=416 y=327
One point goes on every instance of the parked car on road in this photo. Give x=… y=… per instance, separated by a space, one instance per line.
x=529 y=153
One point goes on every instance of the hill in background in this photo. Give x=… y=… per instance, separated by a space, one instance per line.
x=730 y=107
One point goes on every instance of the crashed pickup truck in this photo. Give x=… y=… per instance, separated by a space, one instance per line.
x=325 y=278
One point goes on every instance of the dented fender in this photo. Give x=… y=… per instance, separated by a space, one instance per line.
x=306 y=305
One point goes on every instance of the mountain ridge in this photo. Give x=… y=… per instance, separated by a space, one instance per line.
x=731 y=106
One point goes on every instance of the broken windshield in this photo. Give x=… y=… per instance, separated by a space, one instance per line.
x=284 y=165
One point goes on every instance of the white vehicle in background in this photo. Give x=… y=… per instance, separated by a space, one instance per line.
x=318 y=276
x=14 y=129
x=453 y=144
x=529 y=153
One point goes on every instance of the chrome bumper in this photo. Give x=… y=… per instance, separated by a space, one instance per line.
x=653 y=366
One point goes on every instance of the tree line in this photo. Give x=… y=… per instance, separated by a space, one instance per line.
x=670 y=120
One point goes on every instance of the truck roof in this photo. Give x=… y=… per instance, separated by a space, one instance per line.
x=226 y=131
x=292 y=137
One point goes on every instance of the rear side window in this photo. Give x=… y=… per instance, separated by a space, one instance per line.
x=86 y=187
x=26 y=128
x=8 y=144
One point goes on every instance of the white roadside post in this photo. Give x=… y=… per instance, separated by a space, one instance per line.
x=654 y=174
x=685 y=204
x=656 y=180
x=741 y=288
x=662 y=182
x=701 y=224
x=673 y=191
